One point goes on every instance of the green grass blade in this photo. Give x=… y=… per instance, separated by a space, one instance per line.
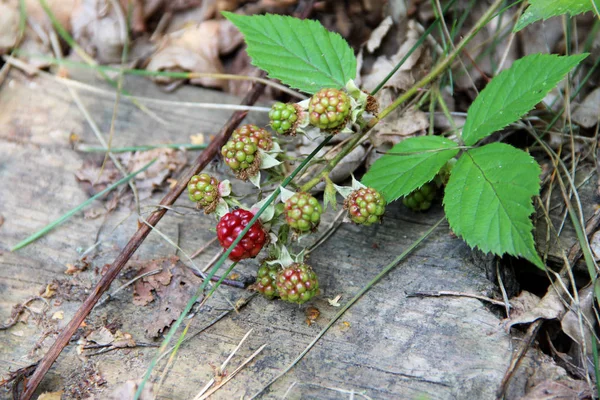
x=187 y=146
x=349 y=304
x=75 y=210
x=218 y=265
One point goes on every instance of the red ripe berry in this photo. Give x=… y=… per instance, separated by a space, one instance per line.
x=229 y=228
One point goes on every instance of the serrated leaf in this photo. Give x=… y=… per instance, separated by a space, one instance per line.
x=300 y=53
x=408 y=165
x=488 y=200
x=514 y=92
x=544 y=9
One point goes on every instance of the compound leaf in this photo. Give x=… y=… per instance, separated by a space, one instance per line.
x=488 y=200
x=300 y=53
x=514 y=92
x=408 y=165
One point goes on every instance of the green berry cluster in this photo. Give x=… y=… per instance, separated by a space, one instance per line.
x=421 y=199
x=283 y=118
x=297 y=283
x=265 y=280
x=303 y=212
x=365 y=206
x=329 y=109
x=260 y=137
x=203 y=189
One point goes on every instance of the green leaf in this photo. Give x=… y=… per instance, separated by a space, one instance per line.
x=544 y=9
x=514 y=92
x=408 y=165
x=488 y=200
x=300 y=53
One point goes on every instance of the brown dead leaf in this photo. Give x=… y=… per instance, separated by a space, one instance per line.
x=94 y=212
x=171 y=289
x=172 y=299
x=197 y=138
x=169 y=162
x=312 y=314
x=9 y=25
x=399 y=126
x=196 y=48
x=378 y=34
x=570 y=321
x=412 y=69
x=61 y=9
x=51 y=395
x=99 y=28
x=59 y=315
x=144 y=288
x=561 y=390
x=79 y=266
x=50 y=290
x=88 y=176
x=102 y=336
x=527 y=308
x=586 y=113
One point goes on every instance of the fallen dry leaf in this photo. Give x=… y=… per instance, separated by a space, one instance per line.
x=312 y=314
x=196 y=48
x=586 y=113
x=100 y=29
x=9 y=25
x=102 y=336
x=89 y=176
x=378 y=34
x=412 y=69
x=143 y=288
x=171 y=289
x=399 y=126
x=527 y=308
x=335 y=301
x=169 y=162
x=51 y=395
x=59 y=315
x=50 y=290
x=61 y=9
x=561 y=390
x=197 y=138
x=570 y=321
x=173 y=298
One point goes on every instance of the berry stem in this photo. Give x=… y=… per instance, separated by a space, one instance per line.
x=437 y=70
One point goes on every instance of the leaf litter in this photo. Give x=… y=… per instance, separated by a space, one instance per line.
x=170 y=290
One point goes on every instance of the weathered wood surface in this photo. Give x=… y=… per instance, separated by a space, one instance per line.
x=388 y=346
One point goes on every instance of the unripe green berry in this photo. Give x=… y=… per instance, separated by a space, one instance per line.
x=258 y=136
x=266 y=279
x=303 y=212
x=329 y=109
x=297 y=284
x=283 y=118
x=365 y=206
x=203 y=189
x=421 y=199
